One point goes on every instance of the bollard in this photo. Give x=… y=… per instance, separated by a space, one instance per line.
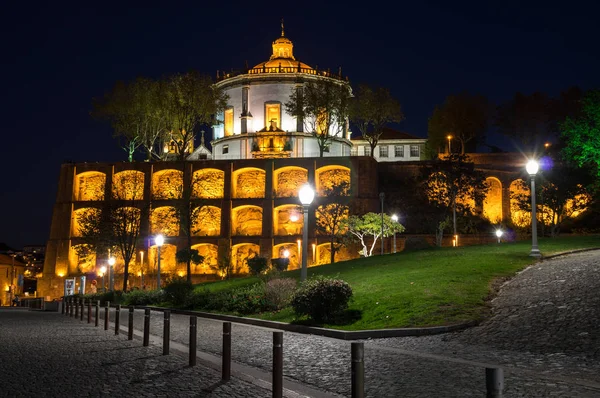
x=90 y=311
x=66 y=305
x=358 y=370
x=82 y=307
x=277 y=364
x=226 y=364
x=71 y=308
x=166 y=332
x=146 y=327
x=76 y=308
x=62 y=307
x=97 y=311
x=130 y=330
x=106 y=315
x=494 y=382
x=118 y=319
x=193 y=339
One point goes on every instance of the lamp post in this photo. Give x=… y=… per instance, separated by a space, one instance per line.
x=111 y=273
x=532 y=168
x=381 y=197
x=159 y=240
x=394 y=219
x=449 y=144
x=306 y=195
x=141 y=269
x=499 y=233
x=103 y=272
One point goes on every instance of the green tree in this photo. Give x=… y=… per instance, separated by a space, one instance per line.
x=331 y=217
x=371 y=110
x=323 y=107
x=369 y=228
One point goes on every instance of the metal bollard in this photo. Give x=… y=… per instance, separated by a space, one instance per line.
x=277 y=364
x=90 y=311
x=106 y=315
x=71 y=308
x=130 y=330
x=226 y=364
x=358 y=370
x=166 y=332
x=494 y=382
x=193 y=339
x=118 y=319
x=146 y=327
x=76 y=308
x=82 y=307
x=97 y=312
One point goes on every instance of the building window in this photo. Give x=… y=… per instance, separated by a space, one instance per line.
x=399 y=151
x=367 y=150
x=225 y=149
x=228 y=122
x=414 y=151
x=383 y=151
x=272 y=116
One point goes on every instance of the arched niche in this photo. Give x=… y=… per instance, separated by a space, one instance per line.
x=492 y=205
x=329 y=178
x=288 y=220
x=329 y=218
x=210 y=254
x=128 y=185
x=323 y=254
x=288 y=181
x=168 y=261
x=167 y=184
x=519 y=191
x=240 y=254
x=293 y=253
x=163 y=220
x=89 y=185
x=82 y=259
x=249 y=182
x=246 y=221
x=208 y=184
x=85 y=220
x=206 y=221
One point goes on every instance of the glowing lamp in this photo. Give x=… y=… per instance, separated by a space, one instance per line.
x=532 y=167
x=394 y=218
x=286 y=253
x=499 y=233
x=103 y=270
x=159 y=240
x=306 y=194
x=294 y=218
x=111 y=261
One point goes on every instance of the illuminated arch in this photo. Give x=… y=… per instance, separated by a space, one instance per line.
x=85 y=220
x=249 y=182
x=323 y=254
x=246 y=220
x=82 y=259
x=90 y=186
x=167 y=184
x=519 y=189
x=328 y=177
x=240 y=254
x=168 y=262
x=288 y=220
x=492 y=205
x=206 y=221
x=208 y=183
x=210 y=253
x=163 y=220
x=288 y=181
x=294 y=254
x=128 y=185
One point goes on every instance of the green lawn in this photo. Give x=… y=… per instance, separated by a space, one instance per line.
x=438 y=286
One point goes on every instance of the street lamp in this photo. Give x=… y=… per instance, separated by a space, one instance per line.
x=141 y=269
x=532 y=168
x=103 y=271
x=499 y=233
x=306 y=195
x=381 y=197
x=159 y=240
x=449 y=144
x=394 y=219
x=111 y=274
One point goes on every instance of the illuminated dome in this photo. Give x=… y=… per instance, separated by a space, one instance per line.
x=283 y=55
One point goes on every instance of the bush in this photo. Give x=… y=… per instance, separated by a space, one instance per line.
x=257 y=265
x=115 y=297
x=322 y=299
x=249 y=299
x=177 y=290
x=200 y=299
x=280 y=264
x=144 y=297
x=279 y=292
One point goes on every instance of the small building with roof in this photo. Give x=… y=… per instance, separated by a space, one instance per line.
x=392 y=146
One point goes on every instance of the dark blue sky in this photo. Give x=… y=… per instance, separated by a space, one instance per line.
x=57 y=57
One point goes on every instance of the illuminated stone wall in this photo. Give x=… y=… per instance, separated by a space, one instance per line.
x=293 y=254
x=331 y=176
x=520 y=218
x=492 y=205
x=168 y=265
x=84 y=219
x=289 y=180
x=249 y=183
x=288 y=220
x=240 y=254
x=90 y=186
x=128 y=185
x=210 y=254
x=164 y=221
x=81 y=259
x=167 y=184
x=246 y=221
x=206 y=221
x=208 y=184
x=323 y=254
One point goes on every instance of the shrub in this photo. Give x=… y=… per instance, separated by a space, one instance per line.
x=257 y=265
x=144 y=297
x=249 y=299
x=199 y=299
x=115 y=297
x=278 y=292
x=322 y=299
x=280 y=264
x=177 y=290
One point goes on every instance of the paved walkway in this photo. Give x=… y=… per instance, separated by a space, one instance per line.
x=543 y=333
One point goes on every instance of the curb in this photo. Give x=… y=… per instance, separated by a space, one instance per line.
x=569 y=252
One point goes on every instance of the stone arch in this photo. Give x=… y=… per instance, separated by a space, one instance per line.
x=84 y=219
x=240 y=254
x=167 y=184
x=519 y=189
x=210 y=253
x=323 y=254
x=128 y=185
x=288 y=181
x=89 y=185
x=293 y=254
x=328 y=177
x=249 y=182
x=206 y=221
x=163 y=220
x=82 y=259
x=288 y=220
x=168 y=262
x=246 y=221
x=208 y=184
x=492 y=205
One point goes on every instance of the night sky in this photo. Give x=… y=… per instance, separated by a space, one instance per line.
x=57 y=57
